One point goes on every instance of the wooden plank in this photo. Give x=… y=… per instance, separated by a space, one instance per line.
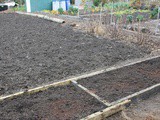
x=34 y=90
x=43 y=17
x=149 y=90
x=90 y=93
x=75 y=78
x=115 y=67
x=108 y=111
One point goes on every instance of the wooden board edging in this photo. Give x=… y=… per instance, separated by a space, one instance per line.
x=34 y=90
x=90 y=93
x=42 y=16
x=108 y=111
x=141 y=93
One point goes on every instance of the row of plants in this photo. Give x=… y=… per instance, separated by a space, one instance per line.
x=135 y=4
x=107 y=6
x=116 y=8
x=72 y=11
x=130 y=11
x=129 y=18
x=122 y=8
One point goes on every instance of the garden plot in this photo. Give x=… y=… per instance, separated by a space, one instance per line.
x=114 y=85
x=62 y=100
x=34 y=51
x=56 y=103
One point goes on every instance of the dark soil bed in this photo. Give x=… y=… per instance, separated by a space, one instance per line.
x=34 y=51
x=59 y=103
x=122 y=82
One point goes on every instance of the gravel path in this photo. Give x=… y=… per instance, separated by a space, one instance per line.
x=34 y=51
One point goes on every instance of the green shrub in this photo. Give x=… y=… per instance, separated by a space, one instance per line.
x=154 y=13
x=96 y=2
x=20 y=8
x=129 y=18
x=85 y=7
x=140 y=18
x=117 y=5
x=60 y=10
x=72 y=10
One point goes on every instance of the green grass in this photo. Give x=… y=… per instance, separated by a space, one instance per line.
x=19 y=8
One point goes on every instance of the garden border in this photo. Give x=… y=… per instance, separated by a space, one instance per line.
x=112 y=107
x=79 y=77
x=140 y=94
x=77 y=85
x=108 y=111
x=42 y=16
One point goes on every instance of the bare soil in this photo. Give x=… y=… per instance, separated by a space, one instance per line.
x=117 y=116
x=34 y=51
x=145 y=109
x=120 y=83
x=59 y=103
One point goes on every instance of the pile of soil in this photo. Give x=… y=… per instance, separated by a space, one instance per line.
x=59 y=103
x=120 y=83
x=34 y=51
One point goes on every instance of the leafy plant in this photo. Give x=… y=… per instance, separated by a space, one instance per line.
x=117 y=6
x=140 y=18
x=85 y=8
x=128 y=11
x=154 y=13
x=93 y=8
x=118 y=17
x=19 y=8
x=130 y=18
x=96 y=2
x=60 y=10
x=72 y=10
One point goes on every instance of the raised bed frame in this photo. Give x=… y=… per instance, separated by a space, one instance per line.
x=112 y=107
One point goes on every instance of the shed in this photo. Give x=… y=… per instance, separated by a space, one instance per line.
x=38 y=5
